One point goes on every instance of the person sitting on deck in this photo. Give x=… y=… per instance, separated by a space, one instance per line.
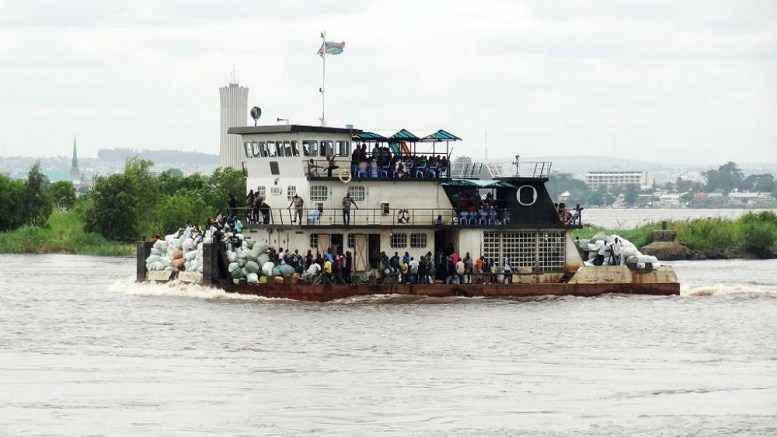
x=330 y=165
x=311 y=275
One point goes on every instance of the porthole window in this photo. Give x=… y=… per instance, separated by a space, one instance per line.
x=526 y=195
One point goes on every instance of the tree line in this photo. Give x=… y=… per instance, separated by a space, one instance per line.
x=724 y=179
x=126 y=206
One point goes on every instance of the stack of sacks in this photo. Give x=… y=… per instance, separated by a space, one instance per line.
x=250 y=262
x=179 y=251
x=158 y=259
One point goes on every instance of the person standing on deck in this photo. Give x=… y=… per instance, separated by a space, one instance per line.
x=299 y=205
x=347 y=202
x=347 y=267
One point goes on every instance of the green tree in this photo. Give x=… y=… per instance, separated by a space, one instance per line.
x=36 y=204
x=62 y=194
x=179 y=210
x=726 y=178
x=11 y=198
x=223 y=183
x=631 y=195
x=114 y=207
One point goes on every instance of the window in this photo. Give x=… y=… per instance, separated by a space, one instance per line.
x=398 y=240
x=261 y=192
x=291 y=191
x=272 y=151
x=314 y=241
x=246 y=148
x=309 y=148
x=418 y=240
x=276 y=191
x=263 y=148
x=358 y=192
x=294 y=148
x=344 y=148
x=319 y=193
x=351 y=240
x=326 y=148
x=279 y=148
x=274 y=170
x=287 y=149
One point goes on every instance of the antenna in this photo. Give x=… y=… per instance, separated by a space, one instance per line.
x=256 y=112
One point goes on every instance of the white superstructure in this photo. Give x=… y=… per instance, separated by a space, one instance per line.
x=234 y=113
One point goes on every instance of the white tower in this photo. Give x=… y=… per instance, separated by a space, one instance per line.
x=234 y=113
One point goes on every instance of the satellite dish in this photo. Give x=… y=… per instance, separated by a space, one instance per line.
x=256 y=112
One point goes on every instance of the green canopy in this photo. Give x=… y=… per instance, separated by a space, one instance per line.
x=404 y=135
x=441 y=135
x=369 y=137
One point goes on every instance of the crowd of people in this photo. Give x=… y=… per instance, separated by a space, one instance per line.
x=383 y=163
x=450 y=269
x=471 y=209
x=570 y=217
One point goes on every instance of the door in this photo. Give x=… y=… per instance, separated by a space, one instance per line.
x=337 y=243
x=373 y=249
x=360 y=253
x=323 y=243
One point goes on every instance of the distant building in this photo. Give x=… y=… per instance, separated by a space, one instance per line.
x=596 y=179
x=234 y=113
x=75 y=173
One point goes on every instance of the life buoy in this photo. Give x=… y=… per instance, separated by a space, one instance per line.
x=344 y=175
x=404 y=216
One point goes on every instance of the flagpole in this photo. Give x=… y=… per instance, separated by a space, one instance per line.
x=323 y=79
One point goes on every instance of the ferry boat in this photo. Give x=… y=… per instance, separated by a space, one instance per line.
x=421 y=205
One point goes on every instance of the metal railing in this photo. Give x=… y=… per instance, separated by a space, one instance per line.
x=374 y=217
x=320 y=168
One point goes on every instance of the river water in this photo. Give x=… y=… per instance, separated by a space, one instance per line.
x=85 y=351
x=621 y=218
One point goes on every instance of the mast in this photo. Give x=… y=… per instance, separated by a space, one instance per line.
x=323 y=78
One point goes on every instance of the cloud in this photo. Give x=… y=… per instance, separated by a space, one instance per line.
x=649 y=80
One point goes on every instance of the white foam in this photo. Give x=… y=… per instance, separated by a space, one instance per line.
x=728 y=289
x=178 y=289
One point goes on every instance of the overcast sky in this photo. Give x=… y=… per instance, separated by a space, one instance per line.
x=692 y=81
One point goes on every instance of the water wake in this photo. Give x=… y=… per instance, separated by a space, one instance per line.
x=179 y=289
x=740 y=289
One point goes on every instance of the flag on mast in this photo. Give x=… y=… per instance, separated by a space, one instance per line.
x=331 y=48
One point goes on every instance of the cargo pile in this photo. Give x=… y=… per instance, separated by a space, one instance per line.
x=251 y=262
x=180 y=251
x=603 y=249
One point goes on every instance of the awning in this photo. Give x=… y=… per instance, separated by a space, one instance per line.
x=369 y=137
x=441 y=135
x=404 y=135
x=476 y=183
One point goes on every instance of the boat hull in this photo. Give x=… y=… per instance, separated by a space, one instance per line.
x=328 y=292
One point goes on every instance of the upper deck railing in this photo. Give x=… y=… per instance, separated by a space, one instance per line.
x=409 y=168
x=497 y=169
x=374 y=217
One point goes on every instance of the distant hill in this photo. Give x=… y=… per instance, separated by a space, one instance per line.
x=159 y=156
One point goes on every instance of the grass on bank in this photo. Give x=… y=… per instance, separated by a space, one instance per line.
x=752 y=234
x=63 y=233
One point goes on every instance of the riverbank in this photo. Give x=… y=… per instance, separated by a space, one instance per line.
x=63 y=233
x=753 y=235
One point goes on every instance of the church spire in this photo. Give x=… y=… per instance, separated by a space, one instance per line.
x=75 y=174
